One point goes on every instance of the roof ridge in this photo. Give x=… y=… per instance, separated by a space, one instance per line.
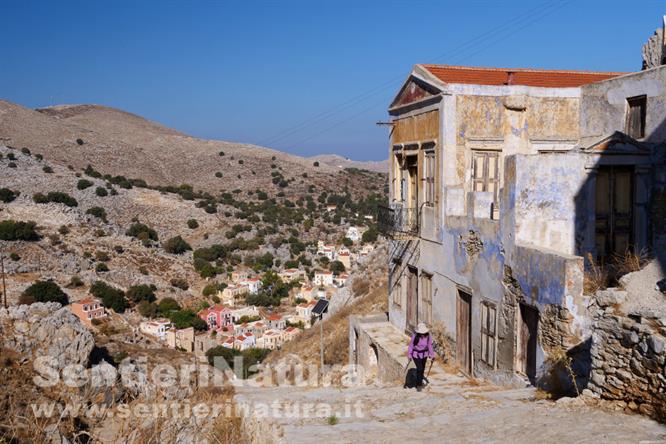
x=537 y=70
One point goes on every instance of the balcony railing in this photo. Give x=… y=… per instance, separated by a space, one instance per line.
x=398 y=221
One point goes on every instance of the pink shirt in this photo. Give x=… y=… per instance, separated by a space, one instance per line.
x=422 y=348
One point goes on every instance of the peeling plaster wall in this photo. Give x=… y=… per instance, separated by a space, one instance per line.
x=604 y=105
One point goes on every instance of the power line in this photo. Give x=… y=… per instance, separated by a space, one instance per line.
x=500 y=39
x=533 y=14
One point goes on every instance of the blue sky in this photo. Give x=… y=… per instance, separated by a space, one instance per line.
x=306 y=77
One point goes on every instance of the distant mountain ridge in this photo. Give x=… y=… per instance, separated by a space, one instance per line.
x=117 y=142
x=338 y=161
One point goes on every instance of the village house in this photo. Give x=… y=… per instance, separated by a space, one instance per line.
x=88 y=309
x=366 y=249
x=290 y=333
x=304 y=313
x=234 y=292
x=257 y=328
x=331 y=207
x=341 y=279
x=353 y=234
x=345 y=259
x=253 y=285
x=217 y=316
x=249 y=311
x=181 y=339
x=155 y=327
x=275 y=321
x=326 y=250
x=245 y=341
x=324 y=278
x=291 y=274
x=271 y=340
x=204 y=342
x=306 y=292
x=239 y=275
x=503 y=184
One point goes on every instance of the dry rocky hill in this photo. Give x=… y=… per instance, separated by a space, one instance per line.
x=119 y=143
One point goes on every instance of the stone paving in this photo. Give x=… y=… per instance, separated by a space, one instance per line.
x=451 y=409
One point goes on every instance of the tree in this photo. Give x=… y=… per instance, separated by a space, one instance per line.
x=7 y=195
x=370 y=235
x=82 y=184
x=101 y=192
x=142 y=232
x=168 y=305
x=44 y=291
x=187 y=318
x=147 y=309
x=143 y=292
x=180 y=283
x=11 y=230
x=176 y=245
x=336 y=267
x=98 y=212
x=347 y=242
x=111 y=297
x=55 y=197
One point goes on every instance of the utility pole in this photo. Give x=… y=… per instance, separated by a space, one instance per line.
x=2 y=270
x=321 y=342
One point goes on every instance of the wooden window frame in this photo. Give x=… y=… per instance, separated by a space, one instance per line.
x=429 y=175
x=483 y=177
x=640 y=103
x=489 y=333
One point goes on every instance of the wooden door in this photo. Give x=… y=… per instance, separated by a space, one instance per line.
x=464 y=331
x=614 y=215
x=528 y=326
x=412 y=298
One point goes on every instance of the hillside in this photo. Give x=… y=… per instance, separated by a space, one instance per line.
x=119 y=143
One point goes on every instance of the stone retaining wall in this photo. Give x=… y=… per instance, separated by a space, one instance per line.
x=627 y=356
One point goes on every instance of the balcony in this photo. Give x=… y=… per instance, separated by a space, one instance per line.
x=398 y=222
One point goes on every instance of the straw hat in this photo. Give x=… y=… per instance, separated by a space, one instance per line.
x=422 y=329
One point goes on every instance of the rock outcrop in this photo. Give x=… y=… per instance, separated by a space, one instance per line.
x=46 y=329
x=654 y=50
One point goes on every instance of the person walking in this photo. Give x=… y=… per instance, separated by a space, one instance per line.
x=420 y=349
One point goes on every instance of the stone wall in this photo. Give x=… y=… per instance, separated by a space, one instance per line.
x=627 y=355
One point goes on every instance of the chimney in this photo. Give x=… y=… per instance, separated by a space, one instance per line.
x=509 y=78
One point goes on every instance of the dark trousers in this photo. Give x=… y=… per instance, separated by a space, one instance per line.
x=420 y=369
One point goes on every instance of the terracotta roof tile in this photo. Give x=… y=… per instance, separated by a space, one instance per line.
x=517 y=76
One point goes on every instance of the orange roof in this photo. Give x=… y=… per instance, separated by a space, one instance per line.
x=88 y=300
x=517 y=76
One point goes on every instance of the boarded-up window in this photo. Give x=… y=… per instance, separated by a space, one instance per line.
x=488 y=334
x=429 y=177
x=485 y=173
x=636 y=112
x=426 y=294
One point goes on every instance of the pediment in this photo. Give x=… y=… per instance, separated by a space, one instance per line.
x=617 y=143
x=413 y=90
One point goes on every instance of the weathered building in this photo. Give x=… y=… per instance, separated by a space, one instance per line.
x=501 y=182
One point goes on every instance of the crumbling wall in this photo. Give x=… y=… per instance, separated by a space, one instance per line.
x=654 y=50
x=628 y=354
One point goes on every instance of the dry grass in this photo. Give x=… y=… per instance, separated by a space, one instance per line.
x=629 y=262
x=336 y=332
x=596 y=277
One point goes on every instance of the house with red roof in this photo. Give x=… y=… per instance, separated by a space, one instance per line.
x=503 y=182
x=217 y=317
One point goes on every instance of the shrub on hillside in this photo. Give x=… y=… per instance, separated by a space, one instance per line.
x=142 y=232
x=14 y=256
x=43 y=291
x=55 y=197
x=11 y=156
x=336 y=267
x=101 y=267
x=101 y=192
x=179 y=283
x=187 y=318
x=316 y=164
x=176 y=245
x=11 y=165
x=143 y=292
x=167 y=305
x=75 y=282
x=11 y=230
x=98 y=212
x=26 y=151
x=7 y=195
x=147 y=309
x=111 y=297
x=90 y=171
x=79 y=142
x=192 y=224
x=47 y=169
x=82 y=184
x=370 y=235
